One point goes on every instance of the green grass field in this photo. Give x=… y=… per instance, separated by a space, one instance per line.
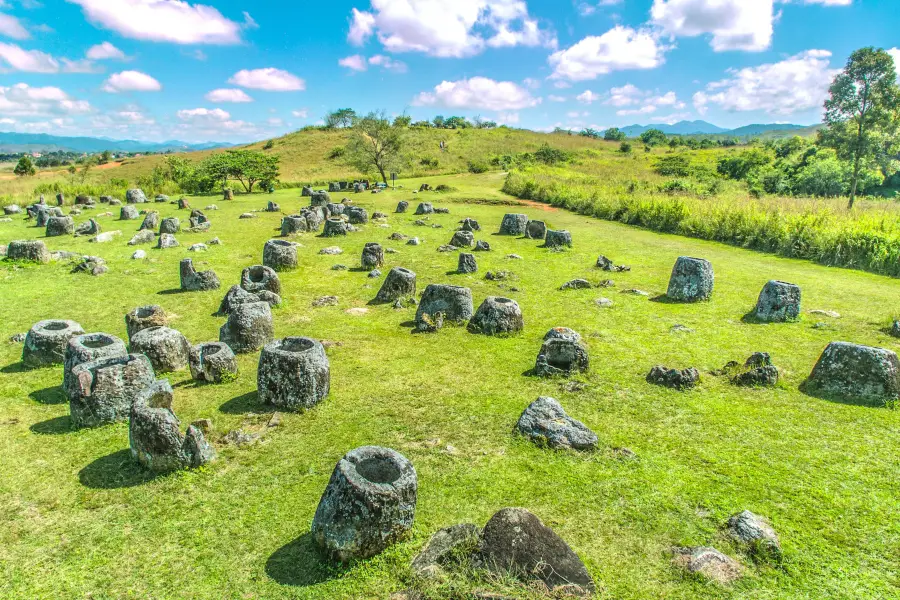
x=79 y=520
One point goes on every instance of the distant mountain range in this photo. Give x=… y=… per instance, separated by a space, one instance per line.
x=704 y=128
x=42 y=142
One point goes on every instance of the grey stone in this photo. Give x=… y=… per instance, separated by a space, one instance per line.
x=399 y=283
x=756 y=535
x=425 y=208
x=139 y=255
x=765 y=376
x=357 y=214
x=306 y=192
x=856 y=373
x=470 y=225
x=46 y=342
x=320 y=198
x=167 y=240
x=451 y=301
x=467 y=264
x=294 y=224
x=12 y=209
x=197 y=281
x=227 y=194
x=481 y=246
x=513 y=224
x=372 y=256
x=237 y=295
x=102 y=391
x=135 y=196
x=280 y=255
x=92 y=265
x=258 y=278
x=516 y=542
x=334 y=227
x=198 y=248
x=368 y=505
x=536 y=230
x=684 y=379
x=145 y=236
x=154 y=434
x=331 y=251
x=325 y=301
x=57 y=226
x=170 y=225
x=545 y=423
x=463 y=239
x=335 y=209
x=576 y=284
x=212 y=362
x=29 y=251
x=106 y=199
x=413 y=241
x=167 y=348
x=128 y=213
x=43 y=214
x=692 y=280
x=145 y=317
x=558 y=239
x=249 y=327
x=183 y=204
x=444 y=548
x=562 y=353
x=90 y=227
x=293 y=374
x=87 y=348
x=106 y=236
x=374 y=274
x=247 y=215
x=272 y=207
x=81 y=199
x=402 y=206
x=778 y=302
x=709 y=563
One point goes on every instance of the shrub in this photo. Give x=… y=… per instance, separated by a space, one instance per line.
x=551 y=156
x=675 y=165
x=739 y=166
x=337 y=152
x=429 y=162
x=269 y=145
x=478 y=167
x=625 y=148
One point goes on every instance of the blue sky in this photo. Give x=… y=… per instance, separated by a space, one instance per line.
x=233 y=70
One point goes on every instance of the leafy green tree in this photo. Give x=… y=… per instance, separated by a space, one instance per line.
x=375 y=144
x=654 y=137
x=217 y=167
x=269 y=145
x=438 y=122
x=105 y=157
x=25 y=167
x=614 y=134
x=342 y=118
x=861 y=112
x=402 y=121
x=250 y=167
x=625 y=147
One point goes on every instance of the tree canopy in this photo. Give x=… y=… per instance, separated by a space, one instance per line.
x=375 y=143
x=25 y=167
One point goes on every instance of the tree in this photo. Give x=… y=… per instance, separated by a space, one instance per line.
x=375 y=143
x=402 y=121
x=438 y=121
x=861 y=112
x=342 y=118
x=105 y=157
x=613 y=134
x=25 y=167
x=251 y=167
x=654 y=137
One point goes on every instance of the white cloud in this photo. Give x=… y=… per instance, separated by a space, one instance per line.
x=618 y=49
x=80 y=66
x=131 y=81
x=447 y=29
x=24 y=100
x=270 y=80
x=793 y=85
x=300 y=114
x=387 y=63
x=631 y=100
x=212 y=114
x=532 y=83
x=587 y=97
x=733 y=24
x=354 y=63
x=105 y=51
x=670 y=119
x=30 y=61
x=11 y=27
x=478 y=93
x=228 y=95
x=172 y=21
x=644 y=110
x=624 y=96
x=895 y=53
x=554 y=98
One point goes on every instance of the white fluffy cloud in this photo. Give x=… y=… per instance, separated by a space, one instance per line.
x=793 y=85
x=300 y=114
x=448 y=29
x=358 y=62
x=11 y=27
x=213 y=122
x=228 y=95
x=131 y=81
x=631 y=100
x=30 y=61
x=23 y=100
x=587 y=97
x=213 y=114
x=733 y=24
x=354 y=63
x=478 y=93
x=895 y=53
x=105 y=51
x=172 y=21
x=618 y=49
x=269 y=80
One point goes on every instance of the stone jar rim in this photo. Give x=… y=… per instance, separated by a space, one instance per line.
x=403 y=474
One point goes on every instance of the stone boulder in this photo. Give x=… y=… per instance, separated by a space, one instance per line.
x=227 y=194
x=212 y=362
x=167 y=240
x=467 y=264
x=167 y=348
x=320 y=198
x=335 y=210
x=128 y=213
x=334 y=227
x=28 y=251
x=145 y=236
x=481 y=246
x=756 y=535
x=762 y=376
x=57 y=226
x=259 y=278
x=170 y=225
x=92 y=265
x=558 y=239
x=46 y=342
x=145 y=317
x=237 y=295
x=294 y=373
x=709 y=563
x=272 y=207
x=451 y=301
x=197 y=281
x=497 y=316
x=399 y=283
x=372 y=256
x=463 y=239
x=562 y=353
x=135 y=196
x=293 y=224
x=778 y=302
x=161 y=198
x=444 y=549
x=11 y=209
x=90 y=227
x=856 y=373
x=150 y=222
x=516 y=542
x=357 y=215
x=684 y=379
x=470 y=225
x=368 y=505
x=692 y=280
x=425 y=208
x=280 y=255
x=402 y=206
x=513 y=224
x=154 y=434
x=545 y=423
x=87 y=348
x=536 y=230
x=102 y=391
x=249 y=327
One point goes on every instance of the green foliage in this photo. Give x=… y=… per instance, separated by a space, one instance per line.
x=342 y=118
x=653 y=137
x=269 y=145
x=402 y=121
x=677 y=165
x=25 y=167
x=614 y=134
x=429 y=162
x=375 y=144
x=337 y=152
x=478 y=167
x=625 y=147
x=551 y=156
x=739 y=166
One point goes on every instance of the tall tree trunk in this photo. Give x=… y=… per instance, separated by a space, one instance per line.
x=855 y=182
x=383 y=174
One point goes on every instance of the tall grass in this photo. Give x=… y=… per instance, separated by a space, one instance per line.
x=867 y=238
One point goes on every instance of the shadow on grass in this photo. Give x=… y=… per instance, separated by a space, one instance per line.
x=171 y=292
x=16 y=367
x=663 y=299
x=55 y=426
x=244 y=404
x=50 y=395
x=113 y=471
x=301 y=563
x=807 y=389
